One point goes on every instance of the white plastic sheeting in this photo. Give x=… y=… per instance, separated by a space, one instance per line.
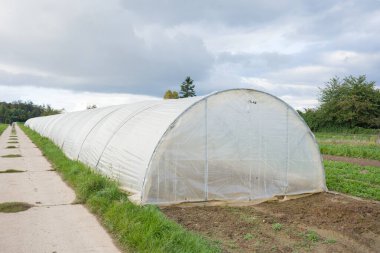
x=237 y=145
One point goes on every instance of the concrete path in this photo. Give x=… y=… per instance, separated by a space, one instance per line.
x=53 y=224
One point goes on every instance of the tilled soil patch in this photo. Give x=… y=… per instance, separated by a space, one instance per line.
x=359 y=161
x=319 y=223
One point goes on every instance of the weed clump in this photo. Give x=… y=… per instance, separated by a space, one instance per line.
x=14 y=207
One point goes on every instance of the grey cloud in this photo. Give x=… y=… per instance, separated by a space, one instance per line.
x=105 y=51
x=235 y=13
x=146 y=47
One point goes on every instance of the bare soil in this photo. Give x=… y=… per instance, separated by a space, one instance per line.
x=323 y=222
x=359 y=161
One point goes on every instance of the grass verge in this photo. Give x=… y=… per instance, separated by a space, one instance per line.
x=136 y=228
x=356 y=180
x=14 y=207
x=359 y=151
x=2 y=128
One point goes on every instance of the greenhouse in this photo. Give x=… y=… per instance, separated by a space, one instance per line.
x=233 y=145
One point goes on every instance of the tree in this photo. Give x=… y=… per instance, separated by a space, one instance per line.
x=19 y=111
x=348 y=103
x=171 y=95
x=187 y=88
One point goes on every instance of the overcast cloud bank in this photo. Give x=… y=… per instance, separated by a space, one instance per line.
x=85 y=52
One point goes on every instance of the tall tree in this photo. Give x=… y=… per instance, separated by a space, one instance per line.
x=187 y=88
x=171 y=94
x=348 y=103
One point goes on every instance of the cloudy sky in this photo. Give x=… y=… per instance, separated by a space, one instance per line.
x=74 y=53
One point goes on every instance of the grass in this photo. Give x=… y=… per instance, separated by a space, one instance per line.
x=12 y=142
x=358 y=151
x=11 y=147
x=312 y=236
x=11 y=156
x=351 y=145
x=276 y=226
x=248 y=236
x=345 y=137
x=136 y=228
x=11 y=171
x=2 y=128
x=356 y=180
x=14 y=207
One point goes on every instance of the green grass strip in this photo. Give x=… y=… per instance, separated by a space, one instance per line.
x=2 y=128
x=136 y=228
x=346 y=137
x=359 y=151
x=356 y=180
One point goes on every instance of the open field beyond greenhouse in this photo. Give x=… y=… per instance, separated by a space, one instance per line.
x=345 y=220
x=325 y=222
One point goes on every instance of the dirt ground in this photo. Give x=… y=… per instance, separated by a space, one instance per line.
x=323 y=222
x=359 y=161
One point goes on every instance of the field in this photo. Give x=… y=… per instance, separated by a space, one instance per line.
x=323 y=222
x=350 y=145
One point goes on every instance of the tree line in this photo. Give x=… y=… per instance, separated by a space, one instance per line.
x=348 y=103
x=19 y=111
x=187 y=89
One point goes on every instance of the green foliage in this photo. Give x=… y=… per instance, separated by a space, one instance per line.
x=359 y=151
x=22 y=111
x=350 y=145
x=171 y=95
x=187 y=88
x=351 y=103
x=312 y=236
x=248 y=236
x=360 y=181
x=2 y=128
x=136 y=228
x=349 y=137
x=277 y=226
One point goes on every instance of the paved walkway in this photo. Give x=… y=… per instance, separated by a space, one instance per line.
x=53 y=224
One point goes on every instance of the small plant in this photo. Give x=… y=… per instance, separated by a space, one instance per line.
x=248 y=236
x=330 y=241
x=11 y=147
x=277 y=226
x=12 y=142
x=312 y=236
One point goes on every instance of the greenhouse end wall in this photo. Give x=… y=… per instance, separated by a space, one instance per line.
x=239 y=145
